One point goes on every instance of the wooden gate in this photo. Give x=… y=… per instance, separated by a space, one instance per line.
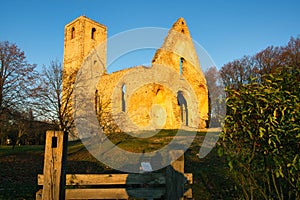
x=172 y=184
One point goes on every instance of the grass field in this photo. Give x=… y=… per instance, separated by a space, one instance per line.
x=19 y=167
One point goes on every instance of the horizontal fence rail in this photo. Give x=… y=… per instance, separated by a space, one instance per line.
x=173 y=184
x=116 y=179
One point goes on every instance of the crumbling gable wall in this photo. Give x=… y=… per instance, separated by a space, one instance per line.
x=154 y=103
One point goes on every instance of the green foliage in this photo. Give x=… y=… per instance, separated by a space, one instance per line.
x=261 y=137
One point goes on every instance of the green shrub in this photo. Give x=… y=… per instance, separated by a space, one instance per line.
x=261 y=136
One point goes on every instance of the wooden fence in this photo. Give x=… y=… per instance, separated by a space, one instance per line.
x=172 y=184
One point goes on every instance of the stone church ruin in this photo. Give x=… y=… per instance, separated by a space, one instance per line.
x=173 y=93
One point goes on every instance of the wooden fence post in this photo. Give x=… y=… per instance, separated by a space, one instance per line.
x=175 y=176
x=54 y=178
x=54 y=160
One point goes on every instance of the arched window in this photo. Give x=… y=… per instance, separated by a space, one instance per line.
x=93 y=33
x=73 y=33
x=123 y=98
x=184 y=112
x=181 y=63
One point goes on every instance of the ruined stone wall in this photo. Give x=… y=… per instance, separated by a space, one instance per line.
x=151 y=96
x=179 y=45
x=143 y=102
x=154 y=104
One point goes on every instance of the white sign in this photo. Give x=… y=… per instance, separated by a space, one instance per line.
x=146 y=167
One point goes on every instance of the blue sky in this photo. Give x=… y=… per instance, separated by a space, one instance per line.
x=227 y=30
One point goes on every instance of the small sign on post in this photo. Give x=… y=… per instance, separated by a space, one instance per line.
x=54 y=142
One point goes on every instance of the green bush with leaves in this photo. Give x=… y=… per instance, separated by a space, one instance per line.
x=261 y=136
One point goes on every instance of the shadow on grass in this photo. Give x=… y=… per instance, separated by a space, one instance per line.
x=19 y=169
x=210 y=175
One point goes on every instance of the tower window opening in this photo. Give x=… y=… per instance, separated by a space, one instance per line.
x=157 y=91
x=73 y=33
x=180 y=66
x=93 y=33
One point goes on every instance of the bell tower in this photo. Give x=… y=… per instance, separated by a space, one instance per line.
x=82 y=36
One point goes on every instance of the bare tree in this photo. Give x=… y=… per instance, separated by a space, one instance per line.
x=17 y=83
x=238 y=72
x=53 y=103
x=216 y=96
x=291 y=53
x=55 y=100
x=268 y=61
x=17 y=77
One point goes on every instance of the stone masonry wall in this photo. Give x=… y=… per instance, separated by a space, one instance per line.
x=151 y=95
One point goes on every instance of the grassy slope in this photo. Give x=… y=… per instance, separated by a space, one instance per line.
x=19 y=167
